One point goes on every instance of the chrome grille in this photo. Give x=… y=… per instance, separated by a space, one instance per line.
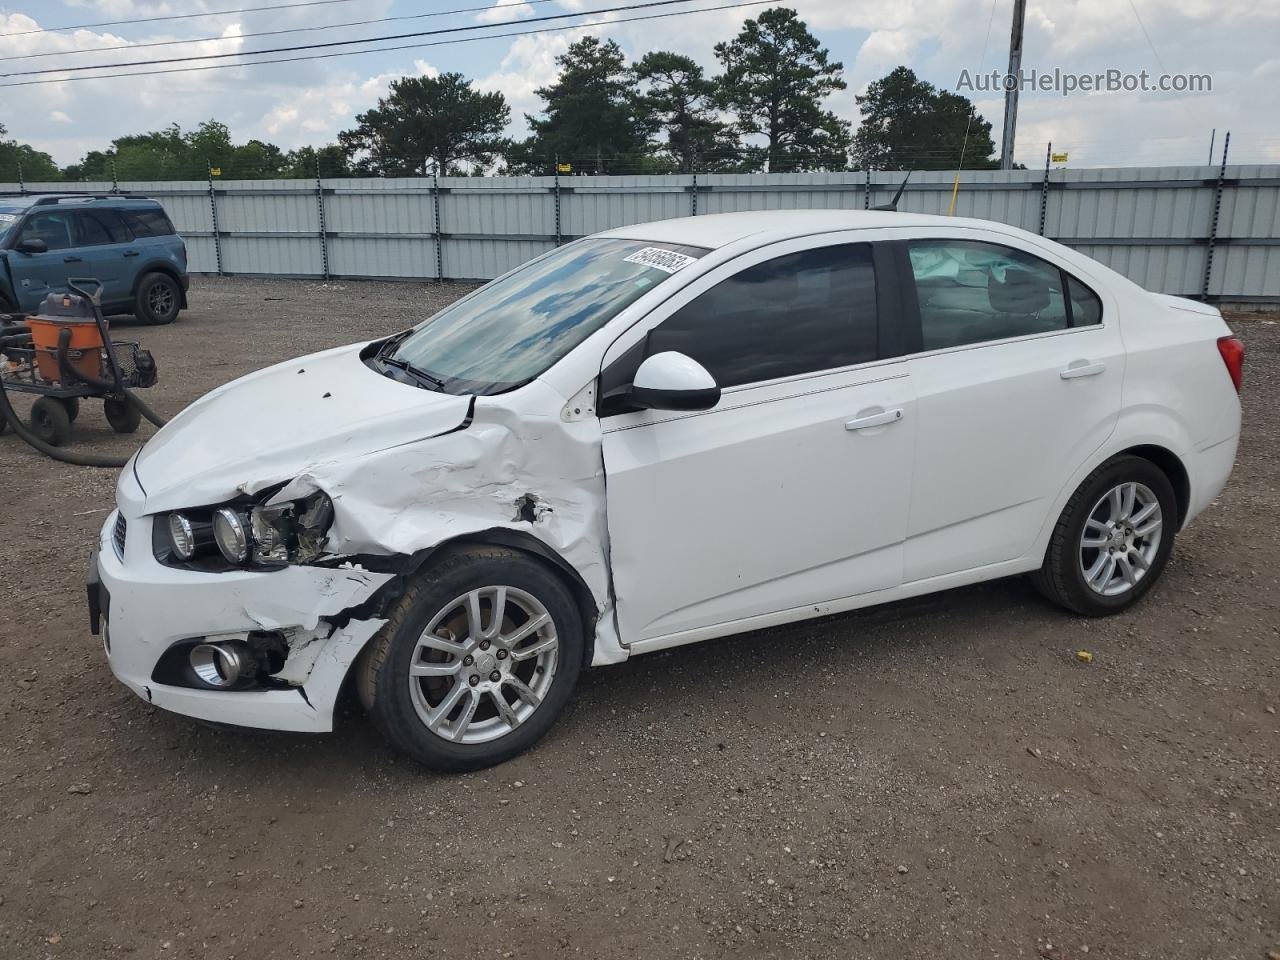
x=118 y=534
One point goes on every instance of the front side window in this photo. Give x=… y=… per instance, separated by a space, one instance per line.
x=53 y=228
x=513 y=329
x=971 y=292
x=800 y=313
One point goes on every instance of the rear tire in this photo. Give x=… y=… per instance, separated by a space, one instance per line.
x=158 y=300
x=1113 y=539
x=456 y=690
x=50 y=422
x=123 y=416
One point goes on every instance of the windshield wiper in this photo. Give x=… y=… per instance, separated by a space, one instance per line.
x=392 y=342
x=416 y=372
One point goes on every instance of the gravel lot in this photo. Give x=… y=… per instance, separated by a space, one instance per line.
x=940 y=778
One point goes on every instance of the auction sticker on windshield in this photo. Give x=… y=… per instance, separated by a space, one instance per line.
x=668 y=261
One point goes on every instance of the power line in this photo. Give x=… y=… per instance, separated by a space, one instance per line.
x=175 y=16
x=259 y=33
x=332 y=43
x=403 y=46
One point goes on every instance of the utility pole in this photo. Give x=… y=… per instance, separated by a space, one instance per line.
x=1011 y=85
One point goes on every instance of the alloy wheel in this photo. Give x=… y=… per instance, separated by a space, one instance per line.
x=483 y=665
x=1121 y=538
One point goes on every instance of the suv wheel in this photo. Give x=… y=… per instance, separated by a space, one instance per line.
x=159 y=299
x=476 y=662
x=1113 y=539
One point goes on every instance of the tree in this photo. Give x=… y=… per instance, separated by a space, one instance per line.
x=591 y=118
x=428 y=124
x=679 y=99
x=170 y=154
x=22 y=158
x=776 y=76
x=910 y=124
x=327 y=161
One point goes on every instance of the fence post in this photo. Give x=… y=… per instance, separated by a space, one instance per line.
x=694 y=200
x=22 y=184
x=324 y=238
x=435 y=203
x=1213 y=222
x=115 y=182
x=213 y=209
x=1044 y=186
x=866 y=191
x=556 y=190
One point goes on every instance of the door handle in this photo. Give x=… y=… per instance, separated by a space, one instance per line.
x=131 y=253
x=72 y=260
x=1082 y=368
x=874 y=419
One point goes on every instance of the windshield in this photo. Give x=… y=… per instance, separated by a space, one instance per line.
x=513 y=329
x=8 y=217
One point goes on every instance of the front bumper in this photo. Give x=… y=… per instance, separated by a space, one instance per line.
x=143 y=607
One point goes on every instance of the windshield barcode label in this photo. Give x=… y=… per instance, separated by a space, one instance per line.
x=668 y=261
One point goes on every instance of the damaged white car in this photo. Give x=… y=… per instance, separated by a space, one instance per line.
x=657 y=435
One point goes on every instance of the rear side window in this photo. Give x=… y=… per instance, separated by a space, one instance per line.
x=148 y=223
x=54 y=228
x=96 y=227
x=1086 y=308
x=800 y=313
x=971 y=292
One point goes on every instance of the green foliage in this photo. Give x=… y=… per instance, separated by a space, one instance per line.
x=428 y=124
x=776 y=76
x=170 y=154
x=23 y=158
x=327 y=161
x=679 y=100
x=908 y=123
x=591 y=118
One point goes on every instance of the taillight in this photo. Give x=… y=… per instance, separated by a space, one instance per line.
x=1232 y=350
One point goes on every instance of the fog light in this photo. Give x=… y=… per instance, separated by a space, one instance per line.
x=182 y=536
x=231 y=536
x=219 y=665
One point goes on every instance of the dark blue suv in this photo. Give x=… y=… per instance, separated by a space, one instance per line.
x=127 y=244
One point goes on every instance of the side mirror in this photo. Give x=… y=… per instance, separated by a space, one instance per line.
x=673 y=381
x=33 y=245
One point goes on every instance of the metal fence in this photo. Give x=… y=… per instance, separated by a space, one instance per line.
x=1196 y=231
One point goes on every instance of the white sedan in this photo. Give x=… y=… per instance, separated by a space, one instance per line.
x=660 y=434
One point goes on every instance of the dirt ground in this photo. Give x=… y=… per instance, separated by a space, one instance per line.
x=941 y=778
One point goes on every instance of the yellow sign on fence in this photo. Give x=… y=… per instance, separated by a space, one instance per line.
x=1058 y=157
x=564 y=168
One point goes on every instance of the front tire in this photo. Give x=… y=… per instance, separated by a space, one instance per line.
x=158 y=300
x=477 y=661
x=50 y=421
x=1113 y=539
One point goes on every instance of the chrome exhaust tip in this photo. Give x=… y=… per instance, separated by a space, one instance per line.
x=220 y=666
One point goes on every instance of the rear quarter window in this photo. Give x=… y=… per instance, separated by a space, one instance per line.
x=148 y=223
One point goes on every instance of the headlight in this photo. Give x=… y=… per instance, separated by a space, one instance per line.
x=229 y=532
x=182 y=536
x=262 y=534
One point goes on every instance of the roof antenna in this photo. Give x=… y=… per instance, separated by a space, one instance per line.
x=892 y=205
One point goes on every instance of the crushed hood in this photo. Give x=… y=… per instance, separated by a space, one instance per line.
x=270 y=426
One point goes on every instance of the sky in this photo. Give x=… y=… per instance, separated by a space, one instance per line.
x=1235 y=42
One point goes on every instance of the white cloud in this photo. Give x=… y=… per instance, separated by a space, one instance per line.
x=504 y=11
x=59 y=116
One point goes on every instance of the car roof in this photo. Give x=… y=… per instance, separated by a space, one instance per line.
x=770 y=226
x=74 y=200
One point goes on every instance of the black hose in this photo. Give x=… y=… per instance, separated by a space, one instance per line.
x=66 y=456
